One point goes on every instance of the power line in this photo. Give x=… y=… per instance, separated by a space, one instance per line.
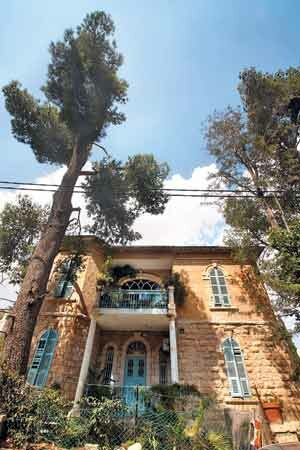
x=171 y=192
x=204 y=194
x=7 y=300
x=152 y=189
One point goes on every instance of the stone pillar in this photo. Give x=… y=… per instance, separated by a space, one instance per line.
x=85 y=364
x=172 y=334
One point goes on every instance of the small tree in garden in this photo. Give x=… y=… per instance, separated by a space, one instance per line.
x=83 y=91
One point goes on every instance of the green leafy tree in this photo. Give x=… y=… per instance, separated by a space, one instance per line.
x=21 y=224
x=83 y=91
x=256 y=149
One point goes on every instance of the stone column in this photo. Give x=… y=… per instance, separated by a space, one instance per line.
x=85 y=364
x=172 y=334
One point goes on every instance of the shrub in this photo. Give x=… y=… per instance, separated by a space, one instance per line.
x=33 y=415
x=104 y=420
x=167 y=395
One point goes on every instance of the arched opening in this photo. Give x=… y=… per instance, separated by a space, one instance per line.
x=135 y=364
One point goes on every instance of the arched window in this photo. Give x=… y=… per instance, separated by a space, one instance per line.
x=108 y=365
x=219 y=288
x=236 y=371
x=136 y=348
x=141 y=285
x=64 y=286
x=41 y=362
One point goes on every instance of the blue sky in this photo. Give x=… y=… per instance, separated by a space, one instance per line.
x=182 y=59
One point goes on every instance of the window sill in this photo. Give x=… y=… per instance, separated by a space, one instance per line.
x=241 y=401
x=224 y=308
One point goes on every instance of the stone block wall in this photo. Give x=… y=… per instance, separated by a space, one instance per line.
x=266 y=356
x=66 y=363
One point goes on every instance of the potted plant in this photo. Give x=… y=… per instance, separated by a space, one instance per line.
x=272 y=409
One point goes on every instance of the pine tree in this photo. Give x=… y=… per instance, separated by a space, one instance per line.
x=82 y=91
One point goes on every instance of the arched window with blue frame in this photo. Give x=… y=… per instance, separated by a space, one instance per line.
x=64 y=287
x=236 y=370
x=220 y=294
x=42 y=359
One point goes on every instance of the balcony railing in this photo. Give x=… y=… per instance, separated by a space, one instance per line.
x=129 y=299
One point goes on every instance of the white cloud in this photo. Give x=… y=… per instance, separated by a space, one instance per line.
x=186 y=221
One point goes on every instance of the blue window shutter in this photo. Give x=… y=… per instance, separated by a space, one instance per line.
x=41 y=362
x=235 y=388
x=241 y=369
x=219 y=288
x=236 y=372
x=36 y=360
x=64 y=286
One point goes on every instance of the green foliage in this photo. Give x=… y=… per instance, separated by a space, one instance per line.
x=21 y=224
x=101 y=418
x=168 y=394
x=82 y=90
x=179 y=287
x=36 y=416
x=110 y=275
x=117 y=195
x=118 y=272
x=256 y=149
x=41 y=415
x=287 y=269
x=33 y=416
x=104 y=277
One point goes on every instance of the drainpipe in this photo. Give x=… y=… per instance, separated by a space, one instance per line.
x=85 y=364
x=172 y=334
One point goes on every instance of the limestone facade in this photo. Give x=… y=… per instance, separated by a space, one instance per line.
x=201 y=328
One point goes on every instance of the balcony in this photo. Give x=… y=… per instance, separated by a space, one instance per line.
x=134 y=300
x=133 y=309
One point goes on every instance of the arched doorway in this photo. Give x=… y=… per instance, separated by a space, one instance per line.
x=135 y=364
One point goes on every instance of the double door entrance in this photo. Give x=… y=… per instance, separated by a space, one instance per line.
x=134 y=377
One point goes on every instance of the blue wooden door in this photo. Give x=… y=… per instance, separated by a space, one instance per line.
x=135 y=375
x=135 y=371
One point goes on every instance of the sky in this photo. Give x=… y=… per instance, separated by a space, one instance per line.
x=182 y=60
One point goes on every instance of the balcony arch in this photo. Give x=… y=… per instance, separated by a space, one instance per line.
x=140 y=276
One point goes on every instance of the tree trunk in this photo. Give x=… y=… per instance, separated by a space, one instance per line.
x=33 y=289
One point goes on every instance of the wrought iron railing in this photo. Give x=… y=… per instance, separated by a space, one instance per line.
x=134 y=398
x=129 y=299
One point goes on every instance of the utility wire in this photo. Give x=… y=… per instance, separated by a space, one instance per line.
x=171 y=192
x=205 y=194
x=7 y=300
x=152 y=189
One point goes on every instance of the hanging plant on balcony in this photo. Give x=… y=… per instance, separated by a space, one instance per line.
x=119 y=272
x=109 y=275
x=179 y=288
x=104 y=277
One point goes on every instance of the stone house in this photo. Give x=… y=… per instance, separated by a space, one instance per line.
x=223 y=338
